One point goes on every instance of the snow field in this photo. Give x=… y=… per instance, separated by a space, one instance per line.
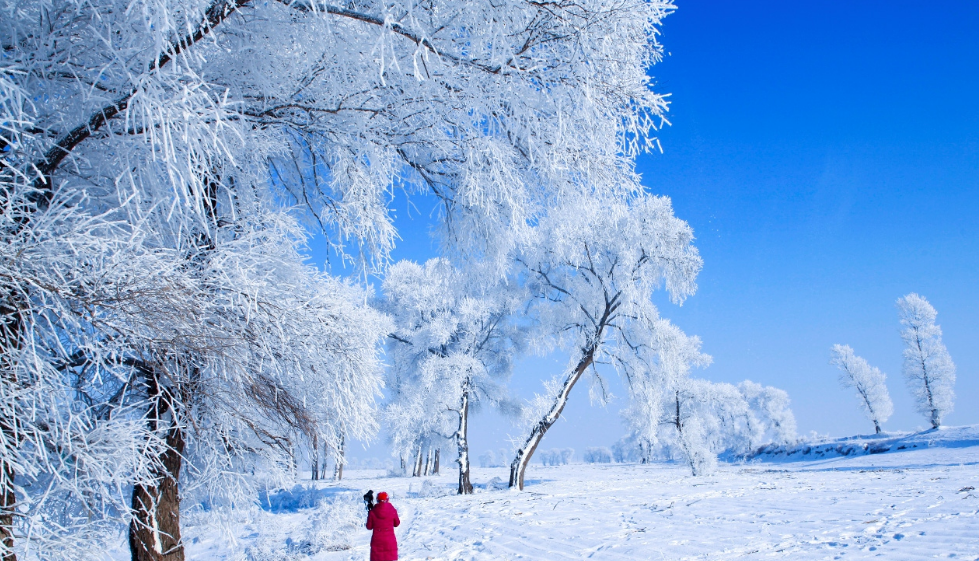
x=912 y=504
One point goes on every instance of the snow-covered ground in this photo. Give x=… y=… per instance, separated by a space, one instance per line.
x=912 y=503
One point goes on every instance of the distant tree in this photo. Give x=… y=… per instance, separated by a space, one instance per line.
x=598 y=455
x=696 y=419
x=654 y=391
x=869 y=381
x=928 y=368
x=768 y=407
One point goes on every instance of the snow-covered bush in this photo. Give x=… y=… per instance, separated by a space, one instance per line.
x=928 y=368
x=487 y=459
x=598 y=455
x=770 y=418
x=331 y=526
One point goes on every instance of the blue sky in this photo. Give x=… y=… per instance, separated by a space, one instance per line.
x=827 y=156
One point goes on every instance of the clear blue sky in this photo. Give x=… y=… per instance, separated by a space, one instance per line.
x=827 y=156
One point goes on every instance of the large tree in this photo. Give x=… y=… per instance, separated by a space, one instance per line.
x=185 y=120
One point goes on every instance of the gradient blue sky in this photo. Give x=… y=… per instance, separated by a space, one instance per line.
x=827 y=156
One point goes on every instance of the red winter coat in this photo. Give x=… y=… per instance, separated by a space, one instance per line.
x=382 y=519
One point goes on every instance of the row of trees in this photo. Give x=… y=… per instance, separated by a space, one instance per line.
x=928 y=368
x=583 y=287
x=163 y=161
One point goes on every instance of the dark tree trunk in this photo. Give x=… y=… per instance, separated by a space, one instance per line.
x=154 y=534
x=10 y=336
x=462 y=441
x=417 y=469
x=315 y=468
x=435 y=470
x=8 y=500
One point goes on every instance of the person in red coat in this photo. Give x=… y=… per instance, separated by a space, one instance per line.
x=383 y=519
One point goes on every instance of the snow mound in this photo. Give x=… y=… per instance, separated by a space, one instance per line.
x=496 y=484
x=431 y=489
x=945 y=437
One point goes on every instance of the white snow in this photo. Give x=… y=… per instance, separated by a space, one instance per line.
x=915 y=503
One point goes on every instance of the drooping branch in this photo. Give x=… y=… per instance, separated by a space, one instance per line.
x=215 y=14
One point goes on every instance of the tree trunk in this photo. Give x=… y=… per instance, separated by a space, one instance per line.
x=435 y=471
x=8 y=501
x=417 y=471
x=936 y=422
x=154 y=533
x=314 y=471
x=526 y=452
x=462 y=441
x=323 y=466
x=338 y=470
x=10 y=337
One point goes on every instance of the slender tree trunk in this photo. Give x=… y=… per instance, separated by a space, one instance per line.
x=936 y=422
x=877 y=426
x=10 y=337
x=8 y=500
x=676 y=419
x=315 y=469
x=462 y=441
x=435 y=471
x=154 y=533
x=417 y=470
x=341 y=458
x=526 y=452
x=323 y=467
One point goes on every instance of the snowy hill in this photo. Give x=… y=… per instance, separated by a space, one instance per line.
x=916 y=501
x=945 y=437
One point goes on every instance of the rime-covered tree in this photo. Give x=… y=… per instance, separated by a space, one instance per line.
x=869 y=381
x=770 y=418
x=928 y=368
x=654 y=389
x=592 y=269
x=452 y=348
x=339 y=103
x=696 y=419
x=187 y=120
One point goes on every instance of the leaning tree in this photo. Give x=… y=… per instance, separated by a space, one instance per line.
x=592 y=273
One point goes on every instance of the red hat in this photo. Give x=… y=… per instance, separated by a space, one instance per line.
x=382 y=496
